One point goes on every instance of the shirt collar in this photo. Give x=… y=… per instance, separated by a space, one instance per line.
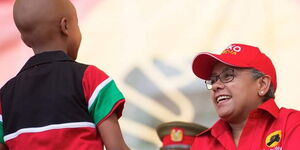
x=46 y=57
x=220 y=126
x=217 y=129
x=270 y=107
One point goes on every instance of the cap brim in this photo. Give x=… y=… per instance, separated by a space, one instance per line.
x=203 y=64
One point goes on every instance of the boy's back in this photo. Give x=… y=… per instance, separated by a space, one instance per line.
x=46 y=106
x=55 y=102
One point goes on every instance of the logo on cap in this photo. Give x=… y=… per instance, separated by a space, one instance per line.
x=232 y=49
x=273 y=138
x=176 y=135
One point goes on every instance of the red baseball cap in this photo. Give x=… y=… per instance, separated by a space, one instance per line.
x=236 y=55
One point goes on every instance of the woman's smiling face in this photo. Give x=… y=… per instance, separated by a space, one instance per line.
x=235 y=99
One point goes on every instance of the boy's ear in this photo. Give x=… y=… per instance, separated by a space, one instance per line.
x=64 y=26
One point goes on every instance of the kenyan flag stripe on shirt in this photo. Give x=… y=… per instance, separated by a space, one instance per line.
x=102 y=94
x=1 y=130
x=49 y=127
x=97 y=90
x=104 y=100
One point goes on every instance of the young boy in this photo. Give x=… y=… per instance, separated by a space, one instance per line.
x=55 y=102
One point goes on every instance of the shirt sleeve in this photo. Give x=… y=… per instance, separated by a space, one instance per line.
x=102 y=95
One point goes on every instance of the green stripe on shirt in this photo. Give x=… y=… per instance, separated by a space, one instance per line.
x=105 y=100
x=1 y=133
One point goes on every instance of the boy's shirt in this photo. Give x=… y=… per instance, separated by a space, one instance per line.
x=56 y=103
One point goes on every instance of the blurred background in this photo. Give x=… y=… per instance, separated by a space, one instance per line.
x=148 y=46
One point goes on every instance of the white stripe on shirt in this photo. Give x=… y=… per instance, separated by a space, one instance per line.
x=49 y=127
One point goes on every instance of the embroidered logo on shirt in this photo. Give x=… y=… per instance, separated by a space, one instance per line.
x=176 y=135
x=273 y=138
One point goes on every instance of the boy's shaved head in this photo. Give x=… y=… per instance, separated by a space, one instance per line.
x=47 y=24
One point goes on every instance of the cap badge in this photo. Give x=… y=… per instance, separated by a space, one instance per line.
x=176 y=135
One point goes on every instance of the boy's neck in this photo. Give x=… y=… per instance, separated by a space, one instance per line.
x=48 y=50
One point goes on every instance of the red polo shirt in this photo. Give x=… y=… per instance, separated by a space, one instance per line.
x=267 y=128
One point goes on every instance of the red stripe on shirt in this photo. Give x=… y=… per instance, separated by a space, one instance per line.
x=66 y=139
x=91 y=79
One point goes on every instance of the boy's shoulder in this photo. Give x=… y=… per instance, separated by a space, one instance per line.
x=51 y=62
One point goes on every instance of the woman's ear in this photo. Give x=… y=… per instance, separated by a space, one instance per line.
x=264 y=84
x=64 y=26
